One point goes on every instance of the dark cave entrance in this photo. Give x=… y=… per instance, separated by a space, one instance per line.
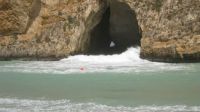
x=100 y=37
x=117 y=30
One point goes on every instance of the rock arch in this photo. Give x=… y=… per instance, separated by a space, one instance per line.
x=119 y=25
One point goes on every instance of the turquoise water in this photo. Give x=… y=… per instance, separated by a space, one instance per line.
x=115 y=83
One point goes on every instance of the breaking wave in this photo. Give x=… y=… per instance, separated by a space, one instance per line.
x=25 y=105
x=128 y=61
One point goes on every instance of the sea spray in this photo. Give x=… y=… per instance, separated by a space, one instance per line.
x=25 y=105
x=128 y=61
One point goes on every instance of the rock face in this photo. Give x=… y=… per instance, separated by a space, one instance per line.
x=170 y=29
x=15 y=16
x=45 y=29
x=57 y=28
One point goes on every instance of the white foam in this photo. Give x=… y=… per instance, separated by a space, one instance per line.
x=128 y=61
x=26 y=105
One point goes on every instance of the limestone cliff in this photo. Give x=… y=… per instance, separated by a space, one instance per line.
x=45 y=29
x=170 y=29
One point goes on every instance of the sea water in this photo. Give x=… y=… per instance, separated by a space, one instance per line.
x=102 y=83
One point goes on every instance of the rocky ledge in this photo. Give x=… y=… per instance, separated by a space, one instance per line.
x=169 y=30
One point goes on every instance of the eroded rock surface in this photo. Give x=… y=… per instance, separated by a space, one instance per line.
x=57 y=28
x=170 y=29
x=45 y=29
x=15 y=15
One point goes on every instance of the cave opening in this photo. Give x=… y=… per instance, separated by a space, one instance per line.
x=117 y=30
x=100 y=38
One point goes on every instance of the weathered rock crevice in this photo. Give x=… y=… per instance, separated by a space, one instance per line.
x=85 y=36
x=16 y=16
x=33 y=13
